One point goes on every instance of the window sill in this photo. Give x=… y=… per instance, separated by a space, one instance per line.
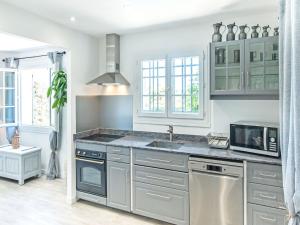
x=35 y=129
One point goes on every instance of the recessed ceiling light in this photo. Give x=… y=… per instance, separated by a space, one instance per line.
x=72 y=19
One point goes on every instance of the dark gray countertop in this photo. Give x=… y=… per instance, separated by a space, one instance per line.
x=196 y=148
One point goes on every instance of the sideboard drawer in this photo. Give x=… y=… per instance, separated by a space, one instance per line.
x=164 y=160
x=266 y=195
x=264 y=174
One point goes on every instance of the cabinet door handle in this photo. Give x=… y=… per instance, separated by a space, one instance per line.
x=268 y=219
x=247 y=80
x=159 y=160
x=158 y=196
x=274 y=175
x=158 y=178
x=272 y=197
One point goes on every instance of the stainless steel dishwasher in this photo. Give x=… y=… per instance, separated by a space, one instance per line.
x=216 y=192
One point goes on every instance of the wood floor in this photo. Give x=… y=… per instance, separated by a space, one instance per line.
x=43 y=202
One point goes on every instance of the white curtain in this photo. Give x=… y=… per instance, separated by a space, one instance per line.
x=290 y=105
x=55 y=135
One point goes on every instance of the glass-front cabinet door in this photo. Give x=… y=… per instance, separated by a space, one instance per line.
x=227 y=68
x=262 y=66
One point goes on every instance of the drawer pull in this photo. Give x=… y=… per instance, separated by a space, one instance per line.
x=159 y=160
x=158 y=178
x=116 y=158
x=268 y=175
x=272 y=197
x=268 y=219
x=158 y=196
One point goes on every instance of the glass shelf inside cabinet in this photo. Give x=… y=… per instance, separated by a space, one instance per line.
x=220 y=56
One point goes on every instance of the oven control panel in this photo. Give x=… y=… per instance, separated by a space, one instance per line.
x=90 y=154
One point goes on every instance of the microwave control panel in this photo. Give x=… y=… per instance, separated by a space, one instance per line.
x=273 y=139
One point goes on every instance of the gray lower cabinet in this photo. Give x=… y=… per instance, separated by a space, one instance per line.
x=265 y=195
x=160 y=186
x=118 y=185
x=161 y=203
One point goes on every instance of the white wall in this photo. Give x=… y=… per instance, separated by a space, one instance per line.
x=82 y=64
x=191 y=38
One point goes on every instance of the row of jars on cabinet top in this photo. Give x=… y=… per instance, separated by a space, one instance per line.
x=244 y=29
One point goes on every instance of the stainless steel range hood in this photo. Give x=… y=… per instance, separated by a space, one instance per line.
x=112 y=75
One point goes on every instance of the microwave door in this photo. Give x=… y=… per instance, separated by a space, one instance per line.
x=247 y=136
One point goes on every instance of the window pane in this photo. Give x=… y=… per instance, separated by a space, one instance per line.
x=178 y=71
x=1 y=79
x=146 y=103
x=10 y=115
x=185 y=88
x=10 y=97
x=178 y=104
x=153 y=85
x=9 y=79
x=1 y=116
x=146 y=84
x=178 y=62
x=35 y=106
x=1 y=98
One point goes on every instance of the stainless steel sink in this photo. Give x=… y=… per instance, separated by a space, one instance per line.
x=165 y=144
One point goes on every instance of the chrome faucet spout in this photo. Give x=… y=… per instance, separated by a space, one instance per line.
x=171 y=132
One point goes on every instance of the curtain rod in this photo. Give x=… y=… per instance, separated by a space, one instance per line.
x=35 y=56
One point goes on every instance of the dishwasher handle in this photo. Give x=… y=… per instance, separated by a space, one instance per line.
x=221 y=169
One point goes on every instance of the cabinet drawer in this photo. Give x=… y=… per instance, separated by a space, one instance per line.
x=118 y=150
x=161 y=203
x=91 y=146
x=118 y=158
x=163 y=160
x=161 y=177
x=266 y=195
x=264 y=174
x=262 y=215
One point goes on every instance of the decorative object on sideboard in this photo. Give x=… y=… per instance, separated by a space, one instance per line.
x=218 y=140
x=217 y=36
x=243 y=32
x=231 y=34
x=255 y=33
x=276 y=31
x=16 y=140
x=220 y=56
x=266 y=30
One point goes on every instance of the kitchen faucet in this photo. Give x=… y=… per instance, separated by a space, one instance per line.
x=170 y=131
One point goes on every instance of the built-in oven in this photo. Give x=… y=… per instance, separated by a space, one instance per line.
x=91 y=172
x=255 y=137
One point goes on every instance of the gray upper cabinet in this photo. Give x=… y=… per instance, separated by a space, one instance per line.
x=262 y=66
x=118 y=185
x=227 y=68
x=245 y=68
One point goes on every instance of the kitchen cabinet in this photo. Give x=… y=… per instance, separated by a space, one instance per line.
x=265 y=201
x=245 y=68
x=160 y=179
x=227 y=67
x=118 y=179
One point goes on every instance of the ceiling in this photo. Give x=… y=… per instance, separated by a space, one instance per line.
x=97 y=17
x=9 y=42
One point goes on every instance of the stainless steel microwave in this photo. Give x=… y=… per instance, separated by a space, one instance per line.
x=255 y=137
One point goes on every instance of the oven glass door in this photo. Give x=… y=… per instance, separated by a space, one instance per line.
x=91 y=176
x=251 y=137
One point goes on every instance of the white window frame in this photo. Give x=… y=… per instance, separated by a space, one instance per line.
x=168 y=112
x=16 y=99
x=31 y=127
x=186 y=115
x=140 y=91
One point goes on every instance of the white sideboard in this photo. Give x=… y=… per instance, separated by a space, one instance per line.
x=20 y=164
